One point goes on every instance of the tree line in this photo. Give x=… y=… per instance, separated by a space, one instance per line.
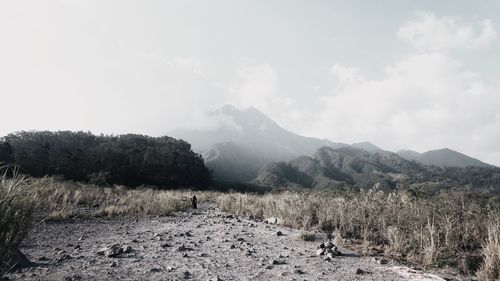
x=129 y=159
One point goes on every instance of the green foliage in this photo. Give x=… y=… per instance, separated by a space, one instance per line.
x=125 y=159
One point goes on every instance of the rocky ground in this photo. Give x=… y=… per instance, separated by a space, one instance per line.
x=203 y=244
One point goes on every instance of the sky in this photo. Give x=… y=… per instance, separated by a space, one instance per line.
x=401 y=74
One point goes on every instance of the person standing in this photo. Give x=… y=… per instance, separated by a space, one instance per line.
x=194 y=202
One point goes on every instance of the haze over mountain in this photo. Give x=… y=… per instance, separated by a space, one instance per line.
x=241 y=142
x=238 y=143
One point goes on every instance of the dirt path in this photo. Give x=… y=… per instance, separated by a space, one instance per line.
x=204 y=244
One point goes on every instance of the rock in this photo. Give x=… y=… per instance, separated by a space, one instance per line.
x=240 y=239
x=113 y=251
x=18 y=260
x=321 y=246
x=383 y=261
x=279 y=233
x=216 y=278
x=298 y=271
x=273 y=220
x=276 y=262
x=330 y=255
x=359 y=271
x=126 y=249
x=113 y=264
x=181 y=248
x=320 y=252
x=43 y=258
x=188 y=234
x=329 y=245
x=155 y=269
x=232 y=246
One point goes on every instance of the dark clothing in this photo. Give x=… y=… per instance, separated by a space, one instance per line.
x=194 y=202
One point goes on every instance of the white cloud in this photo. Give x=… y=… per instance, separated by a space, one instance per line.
x=346 y=76
x=187 y=64
x=431 y=33
x=254 y=86
x=425 y=101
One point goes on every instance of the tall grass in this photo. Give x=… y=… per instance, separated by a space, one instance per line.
x=490 y=270
x=446 y=230
x=16 y=214
x=65 y=199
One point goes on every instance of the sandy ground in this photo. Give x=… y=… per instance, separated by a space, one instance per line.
x=203 y=244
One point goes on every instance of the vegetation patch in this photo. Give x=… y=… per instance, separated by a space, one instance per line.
x=454 y=228
x=16 y=215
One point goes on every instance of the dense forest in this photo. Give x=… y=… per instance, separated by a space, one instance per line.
x=130 y=160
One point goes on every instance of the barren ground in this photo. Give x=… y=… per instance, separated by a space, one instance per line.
x=215 y=245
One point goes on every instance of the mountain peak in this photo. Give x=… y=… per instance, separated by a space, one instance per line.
x=368 y=146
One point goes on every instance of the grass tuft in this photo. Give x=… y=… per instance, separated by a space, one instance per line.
x=16 y=214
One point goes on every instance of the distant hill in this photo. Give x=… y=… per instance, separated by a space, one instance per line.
x=241 y=142
x=333 y=167
x=336 y=168
x=442 y=158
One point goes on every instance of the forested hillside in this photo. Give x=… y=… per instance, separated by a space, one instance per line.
x=125 y=159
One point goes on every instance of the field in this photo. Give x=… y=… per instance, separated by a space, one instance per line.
x=454 y=230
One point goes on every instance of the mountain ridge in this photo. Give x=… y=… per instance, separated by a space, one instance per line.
x=443 y=157
x=241 y=142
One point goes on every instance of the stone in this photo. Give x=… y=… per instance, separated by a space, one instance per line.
x=181 y=248
x=272 y=220
x=126 y=249
x=279 y=233
x=383 y=261
x=298 y=271
x=18 y=260
x=359 y=271
x=155 y=269
x=320 y=252
x=113 y=251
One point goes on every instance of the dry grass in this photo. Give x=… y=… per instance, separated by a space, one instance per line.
x=65 y=199
x=490 y=270
x=445 y=230
x=16 y=211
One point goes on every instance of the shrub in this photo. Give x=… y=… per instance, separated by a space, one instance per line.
x=16 y=210
x=491 y=252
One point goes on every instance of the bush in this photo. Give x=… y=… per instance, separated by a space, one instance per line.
x=16 y=210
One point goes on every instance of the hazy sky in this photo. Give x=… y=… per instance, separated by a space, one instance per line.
x=401 y=74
